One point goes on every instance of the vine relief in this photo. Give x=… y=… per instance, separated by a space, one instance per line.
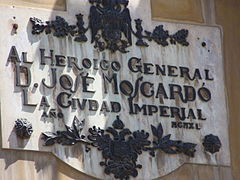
x=111 y=28
x=120 y=146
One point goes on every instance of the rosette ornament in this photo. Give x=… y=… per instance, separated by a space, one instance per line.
x=23 y=128
x=212 y=143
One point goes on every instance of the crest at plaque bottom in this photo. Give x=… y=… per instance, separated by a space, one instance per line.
x=120 y=146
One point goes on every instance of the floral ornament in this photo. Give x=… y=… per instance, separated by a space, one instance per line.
x=23 y=128
x=59 y=27
x=159 y=35
x=169 y=146
x=120 y=148
x=38 y=25
x=211 y=143
x=69 y=137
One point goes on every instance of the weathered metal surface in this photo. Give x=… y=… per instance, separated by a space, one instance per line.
x=44 y=98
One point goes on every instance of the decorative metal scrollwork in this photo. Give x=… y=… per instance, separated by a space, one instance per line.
x=119 y=145
x=110 y=24
x=120 y=148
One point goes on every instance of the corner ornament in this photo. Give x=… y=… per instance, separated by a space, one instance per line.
x=23 y=128
x=212 y=143
x=111 y=28
x=120 y=146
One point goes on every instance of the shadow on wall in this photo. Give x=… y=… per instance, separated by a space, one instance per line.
x=39 y=165
x=42 y=160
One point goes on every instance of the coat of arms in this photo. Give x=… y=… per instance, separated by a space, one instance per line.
x=109 y=21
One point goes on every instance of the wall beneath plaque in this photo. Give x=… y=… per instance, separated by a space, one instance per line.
x=20 y=165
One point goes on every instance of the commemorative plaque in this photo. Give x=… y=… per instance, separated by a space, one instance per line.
x=111 y=92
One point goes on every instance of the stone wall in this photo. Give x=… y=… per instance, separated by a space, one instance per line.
x=224 y=13
x=184 y=10
x=227 y=13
